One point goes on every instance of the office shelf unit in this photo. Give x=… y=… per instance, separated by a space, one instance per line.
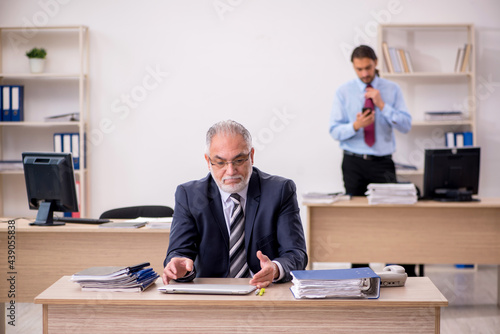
x=62 y=88
x=433 y=85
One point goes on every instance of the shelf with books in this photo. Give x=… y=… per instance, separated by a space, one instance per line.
x=66 y=76
x=442 y=81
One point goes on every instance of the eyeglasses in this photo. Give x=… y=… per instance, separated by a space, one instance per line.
x=236 y=162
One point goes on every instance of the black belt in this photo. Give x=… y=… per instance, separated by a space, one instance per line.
x=368 y=156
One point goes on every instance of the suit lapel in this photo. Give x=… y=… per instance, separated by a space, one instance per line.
x=253 y=201
x=215 y=204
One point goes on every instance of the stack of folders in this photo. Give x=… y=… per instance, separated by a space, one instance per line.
x=336 y=283
x=318 y=197
x=121 y=279
x=392 y=193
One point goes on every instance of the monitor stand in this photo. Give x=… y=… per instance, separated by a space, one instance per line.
x=45 y=216
x=454 y=195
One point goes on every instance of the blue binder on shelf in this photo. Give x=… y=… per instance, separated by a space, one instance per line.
x=17 y=103
x=468 y=138
x=68 y=142
x=1 y=103
x=6 y=105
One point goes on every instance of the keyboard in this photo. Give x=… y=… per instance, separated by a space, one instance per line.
x=81 y=220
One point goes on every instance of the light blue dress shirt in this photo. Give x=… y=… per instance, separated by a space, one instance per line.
x=349 y=100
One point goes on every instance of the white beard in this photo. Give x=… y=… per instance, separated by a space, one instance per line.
x=234 y=187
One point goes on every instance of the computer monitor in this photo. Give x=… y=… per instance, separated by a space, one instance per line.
x=451 y=174
x=50 y=184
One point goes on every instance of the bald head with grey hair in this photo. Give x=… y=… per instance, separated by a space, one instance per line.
x=228 y=127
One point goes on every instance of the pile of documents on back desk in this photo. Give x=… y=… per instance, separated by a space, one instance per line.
x=326 y=198
x=122 y=279
x=335 y=283
x=391 y=193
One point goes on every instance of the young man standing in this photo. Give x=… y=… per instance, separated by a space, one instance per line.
x=366 y=110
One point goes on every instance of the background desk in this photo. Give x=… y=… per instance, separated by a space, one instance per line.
x=44 y=254
x=414 y=308
x=426 y=232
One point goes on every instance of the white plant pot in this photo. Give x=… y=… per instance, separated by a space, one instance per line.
x=37 y=65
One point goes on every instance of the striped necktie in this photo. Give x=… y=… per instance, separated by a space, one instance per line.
x=237 y=254
x=369 y=130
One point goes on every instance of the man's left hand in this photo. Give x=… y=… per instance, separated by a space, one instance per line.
x=374 y=94
x=269 y=271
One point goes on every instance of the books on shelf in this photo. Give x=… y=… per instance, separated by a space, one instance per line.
x=387 y=57
x=335 y=283
x=122 y=279
x=391 y=193
x=397 y=60
x=458 y=139
x=444 y=115
x=319 y=197
x=12 y=103
x=462 y=60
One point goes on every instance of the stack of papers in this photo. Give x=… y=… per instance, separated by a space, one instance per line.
x=318 y=197
x=163 y=222
x=335 y=283
x=6 y=165
x=122 y=279
x=392 y=193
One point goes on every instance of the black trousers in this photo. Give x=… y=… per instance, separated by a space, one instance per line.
x=358 y=173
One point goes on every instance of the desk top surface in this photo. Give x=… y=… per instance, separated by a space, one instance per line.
x=418 y=292
x=362 y=201
x=23 y=225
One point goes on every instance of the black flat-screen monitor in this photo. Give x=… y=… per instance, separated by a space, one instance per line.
x=451 y=174
x=50 y=184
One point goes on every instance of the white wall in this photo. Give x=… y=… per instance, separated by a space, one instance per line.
x=272 y=65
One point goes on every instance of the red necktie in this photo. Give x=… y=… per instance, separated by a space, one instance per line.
x=370 y=129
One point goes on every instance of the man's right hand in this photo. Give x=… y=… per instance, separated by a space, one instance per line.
x=363 y=119
x=176 y=268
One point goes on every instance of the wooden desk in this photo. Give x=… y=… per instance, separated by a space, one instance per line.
x=44 y=254
x=426 y=232
x=414 y=308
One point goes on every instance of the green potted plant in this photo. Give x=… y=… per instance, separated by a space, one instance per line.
x=37 y=59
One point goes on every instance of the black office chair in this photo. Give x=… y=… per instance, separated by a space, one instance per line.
x=132 y=212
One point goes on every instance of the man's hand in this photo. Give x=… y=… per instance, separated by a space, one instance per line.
x=363 y=119
x=374 y=94
x=269 y=271
x=176 y=268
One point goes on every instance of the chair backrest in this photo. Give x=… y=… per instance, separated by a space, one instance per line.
x=132 y=212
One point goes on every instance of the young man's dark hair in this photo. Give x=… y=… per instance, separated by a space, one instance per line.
x=364 y=51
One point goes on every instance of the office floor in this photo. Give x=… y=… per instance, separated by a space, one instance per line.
x=471 y=294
